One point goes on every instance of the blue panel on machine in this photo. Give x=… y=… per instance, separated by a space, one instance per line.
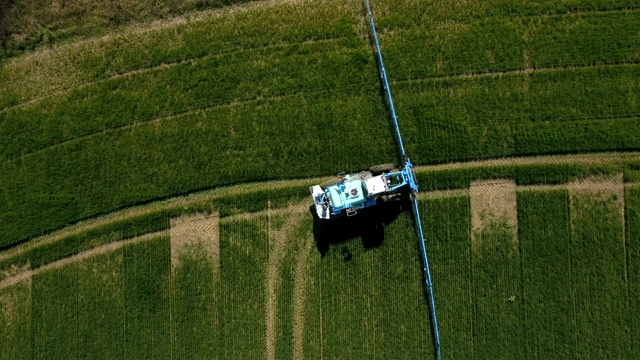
x=346 y=194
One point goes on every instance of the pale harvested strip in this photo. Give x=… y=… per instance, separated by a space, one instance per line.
x=280 y=238
x=601 y=187
x=301 y=274
x=14 y=270
x=78 y=257
x=197 y=231
x=174 y=203
x=15 y=320
x=8 y=303
x=493 y=202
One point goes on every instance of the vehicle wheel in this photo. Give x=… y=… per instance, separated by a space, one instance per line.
x=382 y=168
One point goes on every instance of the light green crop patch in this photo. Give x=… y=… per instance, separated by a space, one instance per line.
x=244 y=249
x=598 y=266
x=15 y=321
x=545 y=244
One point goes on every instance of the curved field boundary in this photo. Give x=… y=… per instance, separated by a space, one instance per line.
x=183 y=202
x=593 y=185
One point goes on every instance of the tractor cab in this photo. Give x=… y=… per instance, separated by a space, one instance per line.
x=345 y=197
x=348 y=193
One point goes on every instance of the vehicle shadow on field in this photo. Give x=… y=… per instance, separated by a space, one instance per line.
x=368 y=225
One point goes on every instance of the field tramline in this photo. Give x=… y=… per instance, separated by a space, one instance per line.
x=214 y=114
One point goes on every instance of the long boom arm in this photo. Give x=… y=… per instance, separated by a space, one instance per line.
x=385 y=82
x=407 y=167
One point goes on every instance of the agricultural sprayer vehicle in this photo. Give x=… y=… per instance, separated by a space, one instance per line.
x=368 y=188
x=358 y=191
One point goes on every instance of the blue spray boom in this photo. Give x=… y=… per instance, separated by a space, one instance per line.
x=407 y=167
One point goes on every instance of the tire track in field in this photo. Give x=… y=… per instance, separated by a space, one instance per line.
x=573 y=12
x=158 y=67
x=301 y=276
x=559 y=13
x=193 y=60
x=179 y=115
x=528 y=70
x=279 y=240
x=99 y=250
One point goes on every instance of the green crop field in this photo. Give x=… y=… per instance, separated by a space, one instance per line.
x=155 y=158
x=559 y=289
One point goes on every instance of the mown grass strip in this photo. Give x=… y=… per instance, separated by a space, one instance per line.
x=447 y=225
x=598 y=265
x=544 y=236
